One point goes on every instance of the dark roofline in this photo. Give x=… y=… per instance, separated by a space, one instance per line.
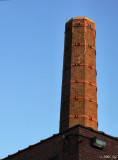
x=54 y=135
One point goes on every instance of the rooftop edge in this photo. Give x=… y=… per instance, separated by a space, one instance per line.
x=54 y=135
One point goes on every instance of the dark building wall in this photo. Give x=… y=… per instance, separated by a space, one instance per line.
x=53 y=148
x=87 y=152
x=73 y=144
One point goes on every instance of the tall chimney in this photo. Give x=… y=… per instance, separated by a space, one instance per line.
x=79 y=90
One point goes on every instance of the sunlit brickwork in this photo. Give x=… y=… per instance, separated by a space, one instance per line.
x=79 y=90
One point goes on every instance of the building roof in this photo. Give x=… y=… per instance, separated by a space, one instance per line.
x=55 y=135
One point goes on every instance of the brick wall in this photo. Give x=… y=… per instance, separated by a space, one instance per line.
x=87 y=152
x=53 y=148
x=73 y=144
x=79 y=90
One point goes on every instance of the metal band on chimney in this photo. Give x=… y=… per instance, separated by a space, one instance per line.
x=85 y=116
x=81 y=116
x=78 y=64
x=77 y=98
x=83 y=44
x=79 y=81
x=83 y=25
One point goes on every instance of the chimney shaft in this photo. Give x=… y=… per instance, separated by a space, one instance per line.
x=79 y=90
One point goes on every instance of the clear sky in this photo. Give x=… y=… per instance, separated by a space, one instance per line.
x=31 y=59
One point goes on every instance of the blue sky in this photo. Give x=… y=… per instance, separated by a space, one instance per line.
x=31 y=59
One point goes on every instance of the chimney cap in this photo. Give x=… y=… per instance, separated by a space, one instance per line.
x=81 y=18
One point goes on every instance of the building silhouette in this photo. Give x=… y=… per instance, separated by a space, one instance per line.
x=78 y=138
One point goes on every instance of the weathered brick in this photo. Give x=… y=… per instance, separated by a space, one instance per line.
x=79 y=50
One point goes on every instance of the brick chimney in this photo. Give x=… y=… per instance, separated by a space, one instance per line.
x=79 y=90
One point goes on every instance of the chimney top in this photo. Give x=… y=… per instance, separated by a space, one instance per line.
x=81 y=18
